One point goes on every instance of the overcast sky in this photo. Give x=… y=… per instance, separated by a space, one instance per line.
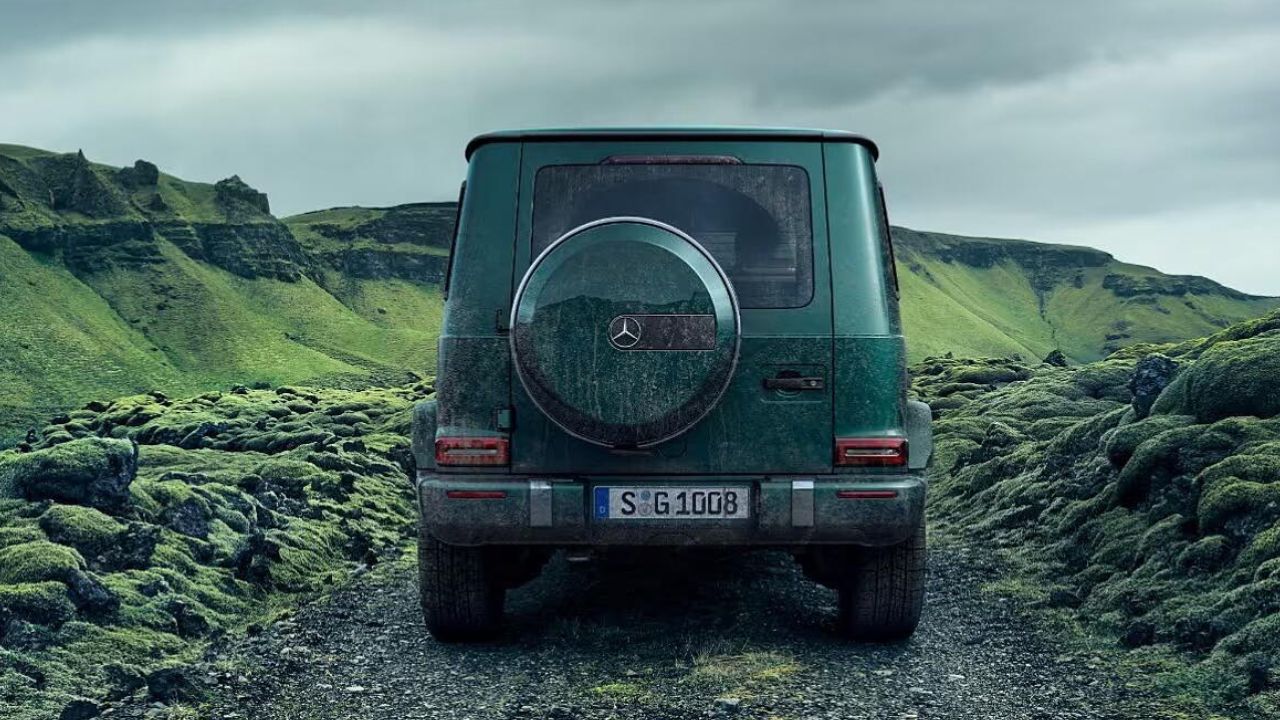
x=1147 y=128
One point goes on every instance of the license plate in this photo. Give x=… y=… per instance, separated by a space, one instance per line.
x=672 y=503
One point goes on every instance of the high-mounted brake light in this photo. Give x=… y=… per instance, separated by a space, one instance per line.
x=871 y=452
x=462 y=451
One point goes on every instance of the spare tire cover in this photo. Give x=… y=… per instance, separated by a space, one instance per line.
x=624 y=332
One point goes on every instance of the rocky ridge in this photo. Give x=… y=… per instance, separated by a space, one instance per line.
x=97 y=217
x=409 y=242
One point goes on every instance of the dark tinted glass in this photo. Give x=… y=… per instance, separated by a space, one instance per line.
x=754 y=219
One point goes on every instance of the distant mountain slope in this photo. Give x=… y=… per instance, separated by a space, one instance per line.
x=406 y=241
x=965 y=295
x=989 y=297
x=118 y=280
x=123 y=280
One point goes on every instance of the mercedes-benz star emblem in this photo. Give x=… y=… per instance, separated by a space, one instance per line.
x=624 y=332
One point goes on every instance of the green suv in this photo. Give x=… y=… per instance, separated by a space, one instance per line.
x=674 y=337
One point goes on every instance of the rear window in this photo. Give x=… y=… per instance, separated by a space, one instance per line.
x=755 y=220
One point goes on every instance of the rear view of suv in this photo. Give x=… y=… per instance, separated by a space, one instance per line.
x=672 y=338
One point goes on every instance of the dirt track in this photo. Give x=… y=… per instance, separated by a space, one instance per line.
x=666 y=637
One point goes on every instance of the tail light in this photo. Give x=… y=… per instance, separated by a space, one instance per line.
x=871 y=452
x=463 y=451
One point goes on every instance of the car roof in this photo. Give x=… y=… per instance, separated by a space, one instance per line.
x=727 y=133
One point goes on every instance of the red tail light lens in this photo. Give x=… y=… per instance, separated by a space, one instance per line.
x=476 y=494
x=463 y=451
x=871 y=452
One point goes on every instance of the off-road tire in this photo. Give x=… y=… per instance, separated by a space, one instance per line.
x=461 y=600
x=882 y=591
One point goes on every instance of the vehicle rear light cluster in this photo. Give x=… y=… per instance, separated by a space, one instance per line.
x=871 y=452
x=463 y=451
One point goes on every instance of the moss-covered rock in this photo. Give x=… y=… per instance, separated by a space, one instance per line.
x=37 y=562
x=1230 y=378
x=220 y=528
x=42 y=603
x=91 y=532
x=1151 y=376
x=1124 y=441
x=92 y=471
x=1165 y=528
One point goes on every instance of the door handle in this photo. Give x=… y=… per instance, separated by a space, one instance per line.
x=794 y=383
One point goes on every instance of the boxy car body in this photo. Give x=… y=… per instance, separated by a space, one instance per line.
x=641 y=320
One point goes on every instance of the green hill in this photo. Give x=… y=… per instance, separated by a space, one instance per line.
x=988 y=297
x=124 y=280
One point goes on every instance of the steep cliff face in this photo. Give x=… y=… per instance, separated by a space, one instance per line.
x=96 y=217
x=408 y=242
x=120 y=280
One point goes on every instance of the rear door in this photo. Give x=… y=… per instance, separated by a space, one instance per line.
x=759 y=209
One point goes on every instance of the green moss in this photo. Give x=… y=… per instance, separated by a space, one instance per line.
x=1206 y=555
x=290 y=474
x=1164 y=531
x=44 y=603
x=1086 y=435
x=18 y=534
x=38 y=561
x=1264 y=547
x=627 y=692
x=212 y=537
x=991 y=375
x=1230 y=378
x=1255 y=463
x=91 y=471
x=1122 y=443
x=1154 y=460
x=1225 y=502
x=88 y=530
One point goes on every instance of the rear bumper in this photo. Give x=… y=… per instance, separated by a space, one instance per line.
x=785 y=511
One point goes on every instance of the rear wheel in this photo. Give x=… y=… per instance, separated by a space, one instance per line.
x=882 y=590
x=462 y=596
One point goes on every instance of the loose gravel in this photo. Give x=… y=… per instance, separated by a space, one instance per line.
x=663 y=636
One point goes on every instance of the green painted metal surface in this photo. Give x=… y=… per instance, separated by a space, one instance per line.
x=847 y=336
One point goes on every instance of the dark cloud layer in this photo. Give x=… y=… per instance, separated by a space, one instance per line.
x=1145 y=127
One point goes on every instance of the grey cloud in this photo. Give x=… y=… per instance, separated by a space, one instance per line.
x=1111 y=123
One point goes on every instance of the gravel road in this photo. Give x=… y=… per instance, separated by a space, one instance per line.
x=663 y=637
